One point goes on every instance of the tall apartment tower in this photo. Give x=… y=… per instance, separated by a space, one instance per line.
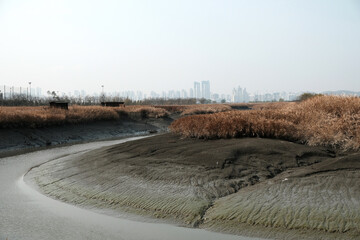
x=197 y=93
x=240 y=94
x=246 y=96
x=205 y=89
x=191 y=93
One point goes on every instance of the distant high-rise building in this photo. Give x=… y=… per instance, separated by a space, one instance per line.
x=139 y=95
x=153 y=94
x=246 y=97
x=234 y=95
x=163 y=95
x=38 y=92
x=205 y=89
x=184 y=94
x=171 y=94
x=177 y=94
x=197 y=93
x=276 y=96
x=215 y=97
x=240 y=95
x=191 y=93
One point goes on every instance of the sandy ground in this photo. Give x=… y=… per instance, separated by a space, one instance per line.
x=250 y=186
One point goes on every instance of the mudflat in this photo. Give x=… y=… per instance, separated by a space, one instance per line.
x=250 y=186
x=18 y=140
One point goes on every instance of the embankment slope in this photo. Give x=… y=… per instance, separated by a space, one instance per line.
x=13 y=140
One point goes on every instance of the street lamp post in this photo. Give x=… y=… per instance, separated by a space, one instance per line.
x=102 y=93
x=30 y=90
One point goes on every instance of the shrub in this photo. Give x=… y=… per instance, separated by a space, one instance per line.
x=306 y=96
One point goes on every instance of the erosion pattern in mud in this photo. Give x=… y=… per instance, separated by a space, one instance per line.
x=180 y=179
x=324 y=197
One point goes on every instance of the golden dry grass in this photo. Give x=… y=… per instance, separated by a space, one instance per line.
x=330 y=121
x=205 y=108
x=173 y=108
x=270 y=105
x=147 y=111
x=46 y=116
x=261 y=105
x=195 y=108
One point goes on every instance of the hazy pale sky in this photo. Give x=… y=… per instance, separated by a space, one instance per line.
x=263 y=45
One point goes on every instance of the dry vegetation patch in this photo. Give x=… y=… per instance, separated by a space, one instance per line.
x=195 y=108
x=172 y=108
x=46 y=116
x=147 y=111
x=205 y=108
x=330 y=121
x=41 y=116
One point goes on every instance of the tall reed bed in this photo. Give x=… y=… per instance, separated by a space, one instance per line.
x=147 y=111
x=195 y=108
x=330 y=121
x=46 y=116
x=205 y=108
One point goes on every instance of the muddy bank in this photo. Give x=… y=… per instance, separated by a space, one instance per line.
x=13 y=140
x=252 y=186
x=321 y=201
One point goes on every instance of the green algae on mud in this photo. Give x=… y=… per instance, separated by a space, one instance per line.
x=218 y=184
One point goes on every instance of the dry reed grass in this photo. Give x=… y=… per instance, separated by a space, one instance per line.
x=195 y=108
x=173 y=108
x=146 y=111
x=205 y=108
x=330 y=121
x=46 y=116
x=271 y=105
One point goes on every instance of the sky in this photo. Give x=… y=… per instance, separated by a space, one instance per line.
x=263 y=45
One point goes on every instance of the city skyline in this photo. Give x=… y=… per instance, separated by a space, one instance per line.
x=200 y=90
x=190 y=91
x=266 y=46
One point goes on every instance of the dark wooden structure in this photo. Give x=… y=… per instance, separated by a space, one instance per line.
x=113 y=104
x=58 y=104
